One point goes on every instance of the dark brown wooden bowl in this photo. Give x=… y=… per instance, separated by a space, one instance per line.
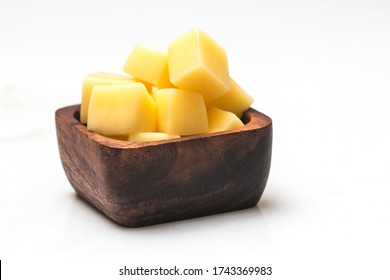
x=138 y=184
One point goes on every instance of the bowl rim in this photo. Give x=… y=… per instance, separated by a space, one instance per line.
x=253 y=120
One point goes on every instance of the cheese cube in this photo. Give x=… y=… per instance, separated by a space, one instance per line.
x=197 y=63
x=220 y=120
x=180 y=112
x=148 y=64
x=148 y=86
x=236 y=100
x=99 y=78
x=121 y=109
x=150 y=136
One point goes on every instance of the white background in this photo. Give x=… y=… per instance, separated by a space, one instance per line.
x=320 y=69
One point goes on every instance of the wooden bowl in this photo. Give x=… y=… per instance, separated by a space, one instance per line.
x=138 y=184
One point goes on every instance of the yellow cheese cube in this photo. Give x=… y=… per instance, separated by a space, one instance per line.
x=121 y=109
x=150 y=136
x=236 y=100
x=148 y=86
x=148 y=64
x=180 y=112
x=197 y=63
x=220 y=120
x=99 y=78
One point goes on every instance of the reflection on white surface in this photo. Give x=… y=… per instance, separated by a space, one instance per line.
x=164 y=239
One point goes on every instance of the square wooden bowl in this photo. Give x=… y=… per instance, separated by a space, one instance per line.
x=138 y=184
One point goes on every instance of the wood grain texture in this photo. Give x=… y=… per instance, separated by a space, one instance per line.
x=140 y=184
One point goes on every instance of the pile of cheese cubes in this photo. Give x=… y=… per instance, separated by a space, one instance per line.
x=184 y=91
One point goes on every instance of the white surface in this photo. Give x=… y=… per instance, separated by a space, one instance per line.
x=320 y=69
